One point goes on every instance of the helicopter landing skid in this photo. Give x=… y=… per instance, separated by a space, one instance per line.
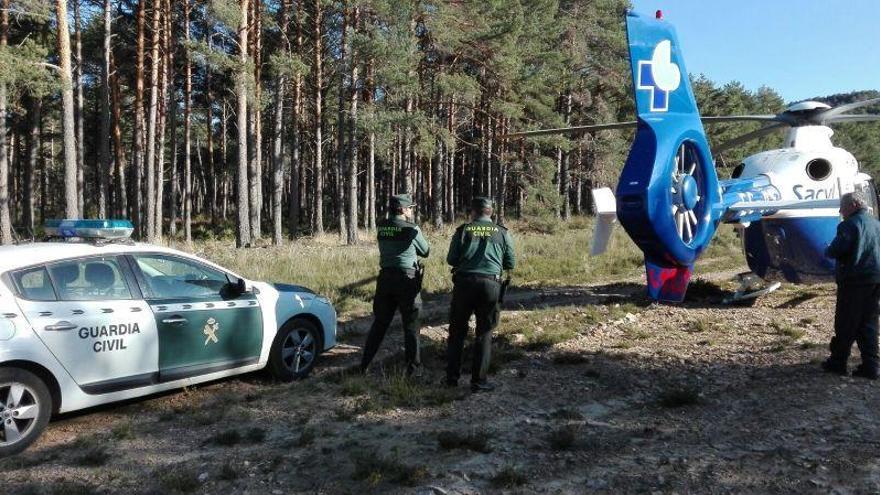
x=750 y=288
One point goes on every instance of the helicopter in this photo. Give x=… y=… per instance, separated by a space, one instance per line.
x=783 y=203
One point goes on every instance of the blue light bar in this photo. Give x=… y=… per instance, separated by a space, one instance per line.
x=89 y=229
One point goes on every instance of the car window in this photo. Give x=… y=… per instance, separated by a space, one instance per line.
x=34 y=284
x=92 y=279
x=168 y=277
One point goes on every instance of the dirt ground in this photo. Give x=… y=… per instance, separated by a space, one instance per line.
x=599 y=392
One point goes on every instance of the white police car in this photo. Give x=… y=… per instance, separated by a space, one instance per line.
x=87 y=323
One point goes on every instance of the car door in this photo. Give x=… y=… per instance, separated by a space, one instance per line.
x=90 y=315
x=204 y=324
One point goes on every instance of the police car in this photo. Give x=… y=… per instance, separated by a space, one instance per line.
x=94 y=318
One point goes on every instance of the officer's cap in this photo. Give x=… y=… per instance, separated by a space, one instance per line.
x=401 y=201
x=481 y=203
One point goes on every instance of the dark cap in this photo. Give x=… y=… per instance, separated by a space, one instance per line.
x=401 y=201
x=481 y=203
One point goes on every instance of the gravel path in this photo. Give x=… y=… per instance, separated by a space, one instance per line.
x=696 y=398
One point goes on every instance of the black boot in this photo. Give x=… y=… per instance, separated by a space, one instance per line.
x=830 y=366
x=862 y=372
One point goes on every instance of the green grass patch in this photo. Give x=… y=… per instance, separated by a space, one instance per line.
x=375 y=469
x=567 y=413
x=177 y=479
x=566 y=437
x=787 y=330
x=508 y=477
x=122 y=431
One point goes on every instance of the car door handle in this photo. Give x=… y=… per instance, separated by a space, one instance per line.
x=175 y=320
x=61 y=326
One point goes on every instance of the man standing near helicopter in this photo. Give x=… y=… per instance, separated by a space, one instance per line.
x=856 y=248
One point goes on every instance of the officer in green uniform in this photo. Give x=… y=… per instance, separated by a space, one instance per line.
x=399 y=284
x=478 y=253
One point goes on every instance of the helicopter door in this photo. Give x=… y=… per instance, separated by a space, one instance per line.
x=870 y=193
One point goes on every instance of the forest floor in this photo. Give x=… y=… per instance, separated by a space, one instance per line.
x=599 y=391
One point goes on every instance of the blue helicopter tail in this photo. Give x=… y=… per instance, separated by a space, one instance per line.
x=668 y=192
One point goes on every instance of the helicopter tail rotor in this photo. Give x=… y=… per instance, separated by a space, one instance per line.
x=668 y=188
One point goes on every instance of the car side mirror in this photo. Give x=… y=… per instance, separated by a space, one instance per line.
x=235 y=288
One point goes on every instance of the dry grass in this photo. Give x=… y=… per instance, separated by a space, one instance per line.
x=346 y=274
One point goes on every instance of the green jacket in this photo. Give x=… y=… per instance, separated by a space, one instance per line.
x=481 y=247
x=400 y=243
x=857 y=250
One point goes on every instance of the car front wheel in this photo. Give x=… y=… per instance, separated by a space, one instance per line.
x=25 y=407
x=294 y=350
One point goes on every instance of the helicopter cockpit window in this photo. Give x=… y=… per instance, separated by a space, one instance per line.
x=738 y=171
x=819 y=169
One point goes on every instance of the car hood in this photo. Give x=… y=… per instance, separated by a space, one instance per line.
x=292 y=288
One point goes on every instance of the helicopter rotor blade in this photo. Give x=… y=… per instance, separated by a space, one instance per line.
x=571 y=130
x=739 y=118
x=826 y=115
x=841 y=119
x=748 y=137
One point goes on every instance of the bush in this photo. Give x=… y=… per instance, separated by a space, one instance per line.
x=226 y=438
x=508 y=477
x=376 y=469
x=175 y=479
x=564 y=438
x=679 y=397
x=478 y=441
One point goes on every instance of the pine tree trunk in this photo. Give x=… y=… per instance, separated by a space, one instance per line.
x=224 y=152
x=278 y=133
x=317 y=82
x=78 y=122
x=278 y=163
x=353 y=144
x=295 y=162
x=436 y=164
x=104 y=164
x=41 y=178
x=450 y=163
x=171 y=47
x=370 y=194
x=166 y=61
x=338 y=178
x=244 y=234
x=564 y=175
x=35 y=110
x=502 y=176
x=187 y=193
x=139 y=120
x=256 y=191
x=5 y=219
x=122 y=206
x=71 y=196
x=152 y=122
x=173 y=210
x=209 y=121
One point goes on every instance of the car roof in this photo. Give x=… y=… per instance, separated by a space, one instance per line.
x=34 y=253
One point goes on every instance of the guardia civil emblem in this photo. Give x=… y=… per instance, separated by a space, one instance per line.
x=210 y=331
